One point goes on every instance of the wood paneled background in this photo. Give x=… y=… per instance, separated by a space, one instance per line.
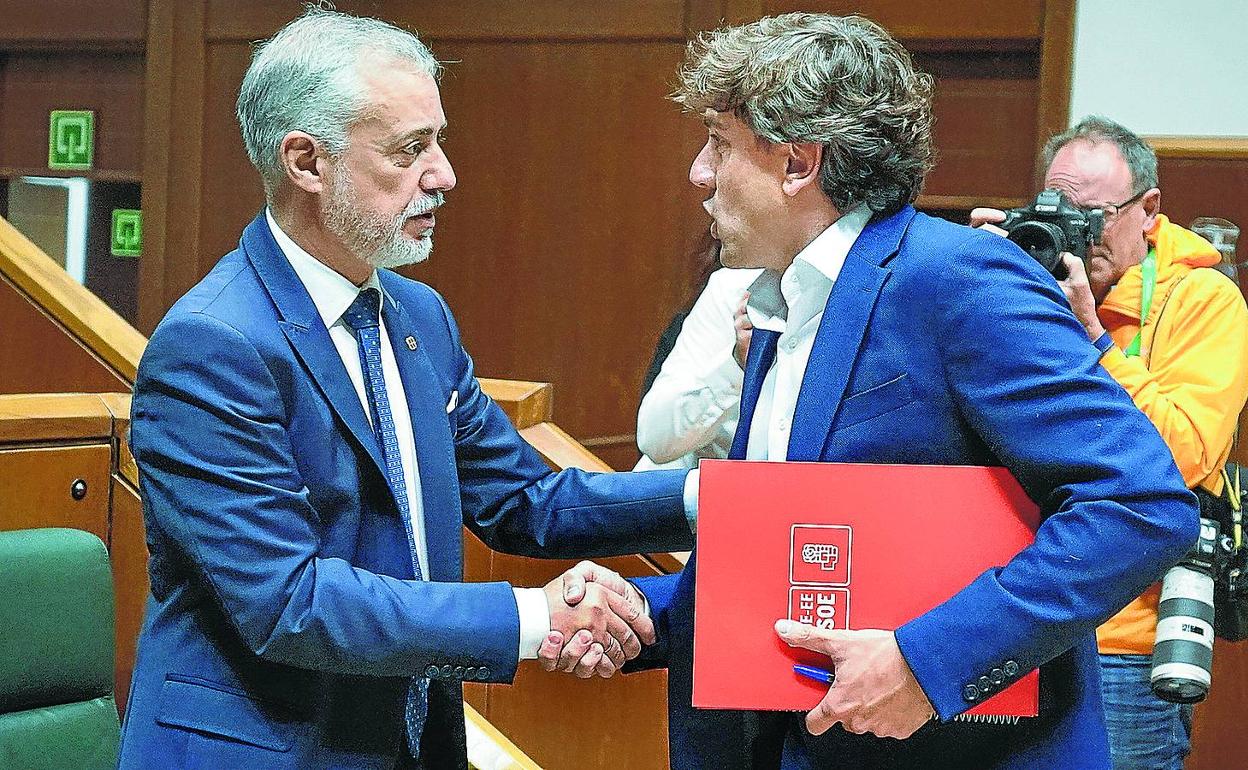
x=565 y=248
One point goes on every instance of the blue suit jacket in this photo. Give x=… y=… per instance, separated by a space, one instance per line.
x=283 y=621
x=945 y=345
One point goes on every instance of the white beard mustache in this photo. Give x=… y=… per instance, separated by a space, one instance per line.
x=370 y=236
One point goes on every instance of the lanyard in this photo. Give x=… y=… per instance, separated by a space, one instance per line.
x=1148 y=275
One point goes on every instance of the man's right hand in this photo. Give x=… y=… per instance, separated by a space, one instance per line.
x=598 y=601
x=988 y=219
x=580 y=653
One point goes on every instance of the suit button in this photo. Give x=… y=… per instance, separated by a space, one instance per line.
x=1011 y=668
x=447 y=671
x=470 y=673
x=459 y=672
x=483 y=673
x=970 y=693
x=431 y=672
x=996 y=675
x=985 y=686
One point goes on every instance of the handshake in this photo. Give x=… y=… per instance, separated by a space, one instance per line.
x=598 y=620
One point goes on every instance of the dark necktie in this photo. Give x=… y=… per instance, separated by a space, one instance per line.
x=363 y=317
x=761 y=356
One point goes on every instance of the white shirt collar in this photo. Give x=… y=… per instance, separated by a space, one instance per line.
x=331 y=293
x=804 y=287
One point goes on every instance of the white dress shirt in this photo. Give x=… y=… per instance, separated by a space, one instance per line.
x=691 y=410
x=332 y=294
x=793 y=304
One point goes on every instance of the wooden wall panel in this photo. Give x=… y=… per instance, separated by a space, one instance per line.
x=172 y=156
x=61 y=23
x=235 y=194
x=35 y=487
x=1217 y=726
x=35 y=83
x=38 y=356
x=1194 y=187
x=1057 y=63
x=564 y=249
x=985 y=130
x=128 y=553
x=559 y=258
x=951 y=20
x=242 y=20
x=1208 y=186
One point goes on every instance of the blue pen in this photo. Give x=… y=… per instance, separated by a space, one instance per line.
x=818 y=674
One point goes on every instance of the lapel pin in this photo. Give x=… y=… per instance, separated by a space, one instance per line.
x=411 y=343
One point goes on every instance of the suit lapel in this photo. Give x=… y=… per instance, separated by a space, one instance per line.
x=841 y=332
x=435 y=450
x=308 y=336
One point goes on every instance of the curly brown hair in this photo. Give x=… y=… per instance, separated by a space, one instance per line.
x=840 y=81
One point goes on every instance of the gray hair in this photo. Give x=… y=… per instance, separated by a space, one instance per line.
x=307 y=78
x=1140 y=158
x=839 y=81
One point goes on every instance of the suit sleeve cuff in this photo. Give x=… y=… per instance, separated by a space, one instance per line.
x=534 y=620
x=1103 y=343
x=691 y=500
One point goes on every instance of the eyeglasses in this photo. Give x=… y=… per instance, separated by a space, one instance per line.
x=1111 y=210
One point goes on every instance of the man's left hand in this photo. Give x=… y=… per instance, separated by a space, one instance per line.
x=874 y=692
x=1079 y=294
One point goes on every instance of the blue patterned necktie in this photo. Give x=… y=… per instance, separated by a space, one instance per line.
x=363 y=318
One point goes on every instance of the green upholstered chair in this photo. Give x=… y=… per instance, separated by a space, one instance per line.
x=56 y=652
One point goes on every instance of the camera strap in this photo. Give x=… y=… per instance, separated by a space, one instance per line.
x=1232 y=492
x=1148 y=277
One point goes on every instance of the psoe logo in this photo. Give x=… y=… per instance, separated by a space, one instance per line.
x=820 y=554
x=823 y=554
x=826 y=608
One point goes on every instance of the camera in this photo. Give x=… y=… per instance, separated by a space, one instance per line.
x=1183 y=652
x=1050 y=225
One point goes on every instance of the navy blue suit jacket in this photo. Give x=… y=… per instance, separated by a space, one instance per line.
x=946 y=345
x=283 y=622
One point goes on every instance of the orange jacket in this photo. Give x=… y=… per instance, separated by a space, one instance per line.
x=1190 y=379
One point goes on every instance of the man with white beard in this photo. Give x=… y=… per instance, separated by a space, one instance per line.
x=311 y=439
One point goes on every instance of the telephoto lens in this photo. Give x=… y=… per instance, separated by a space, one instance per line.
x=1183 y=652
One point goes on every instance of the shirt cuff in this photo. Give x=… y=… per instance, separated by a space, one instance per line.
x=691 y=500
x=534 y=620
x=1103 y=343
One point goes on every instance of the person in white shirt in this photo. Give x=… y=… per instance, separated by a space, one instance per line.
x=690 y=412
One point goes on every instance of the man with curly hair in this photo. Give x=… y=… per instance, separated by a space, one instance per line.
x=882 y=335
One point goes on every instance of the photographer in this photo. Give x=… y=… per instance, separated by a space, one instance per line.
x=1174 y=333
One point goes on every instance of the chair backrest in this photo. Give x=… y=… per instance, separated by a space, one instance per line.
x=56 y=651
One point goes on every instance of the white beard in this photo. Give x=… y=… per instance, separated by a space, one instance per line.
x=378 y=241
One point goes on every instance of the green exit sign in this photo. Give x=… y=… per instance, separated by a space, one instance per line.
x=127 y=240
x=71 y=140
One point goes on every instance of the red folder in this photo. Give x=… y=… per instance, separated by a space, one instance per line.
x=838 y=546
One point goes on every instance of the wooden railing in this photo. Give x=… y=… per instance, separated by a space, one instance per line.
x=58 y=336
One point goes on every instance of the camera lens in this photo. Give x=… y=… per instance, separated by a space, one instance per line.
x=1183 y=652
x=1044 y=241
